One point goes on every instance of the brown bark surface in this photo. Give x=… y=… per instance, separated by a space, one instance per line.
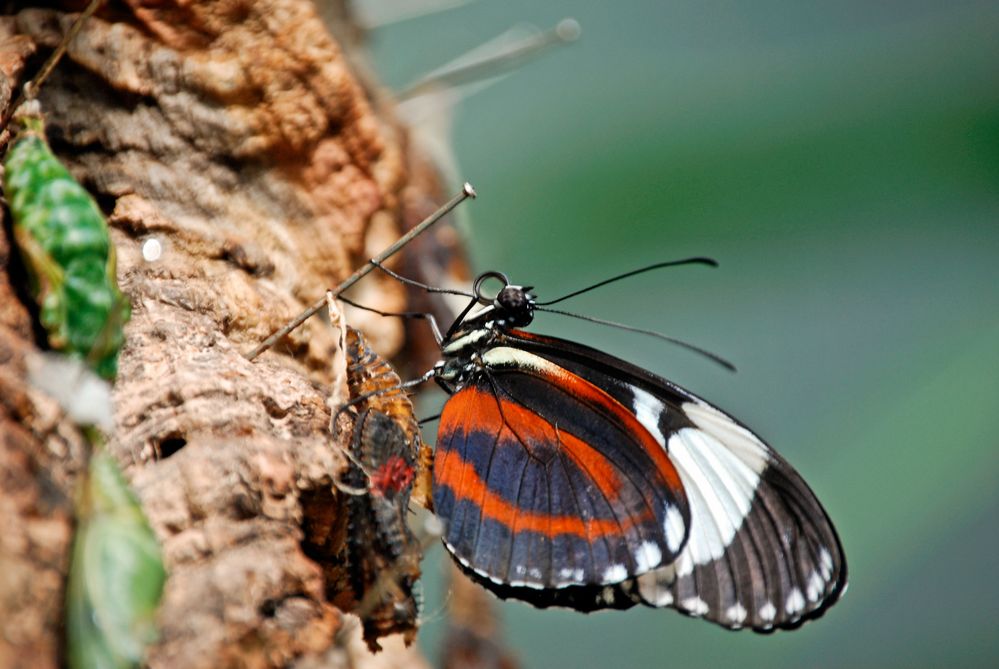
x=235 y=134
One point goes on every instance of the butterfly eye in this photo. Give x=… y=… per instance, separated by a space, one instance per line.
x=513 y=298
x=517 y=305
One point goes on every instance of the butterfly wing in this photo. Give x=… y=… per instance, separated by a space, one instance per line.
x=762 y=552
x=550 y=490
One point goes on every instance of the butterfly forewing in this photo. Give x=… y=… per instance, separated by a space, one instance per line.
x=761 y=551
x=547 y=482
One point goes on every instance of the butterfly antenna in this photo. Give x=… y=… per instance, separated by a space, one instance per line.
x=400 y=314
x=391 y=314
x=423 y=286
x=710 y=262
x=652 y=333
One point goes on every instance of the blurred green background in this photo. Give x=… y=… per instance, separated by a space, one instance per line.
x=841 y=161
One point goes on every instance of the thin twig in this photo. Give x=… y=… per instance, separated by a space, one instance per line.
x=30 y=90
x=466 y=192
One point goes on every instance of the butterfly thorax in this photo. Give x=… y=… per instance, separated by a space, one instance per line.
x=462 y=349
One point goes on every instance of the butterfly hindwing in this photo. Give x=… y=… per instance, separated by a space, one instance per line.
x=761 y=552
x=548 y=484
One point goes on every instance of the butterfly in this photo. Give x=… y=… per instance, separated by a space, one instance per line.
x=385 y=452
x=374 y=385
x=565 y=476
x=379 y=541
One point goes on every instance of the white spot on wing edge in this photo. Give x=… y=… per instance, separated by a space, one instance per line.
x=695 y=606
x=815 y=587
x=531 y=573
x=573 y=574
x=647 y=556
x=768 y=612
x=736 y=613
x=826 y=563
x=615 y=573
x=795 y=602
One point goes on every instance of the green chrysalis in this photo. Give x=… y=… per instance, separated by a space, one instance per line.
x=63 y=239
x=116 y=576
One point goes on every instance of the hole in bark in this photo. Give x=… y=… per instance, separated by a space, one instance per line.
x=269 y=607
x=246 y=505
x=250 y=261
x=105 y=201
x=169 y=445
x=274 y=410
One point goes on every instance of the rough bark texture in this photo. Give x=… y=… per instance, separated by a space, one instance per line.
x=235 y=134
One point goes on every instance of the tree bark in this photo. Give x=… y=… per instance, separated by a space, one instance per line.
x=235 y=134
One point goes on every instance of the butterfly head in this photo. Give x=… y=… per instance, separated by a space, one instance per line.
x=511 y=307
x=514 y=306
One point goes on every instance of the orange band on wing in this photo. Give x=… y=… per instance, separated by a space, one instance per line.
x=462 y=478
x=595 y=396
x=582 y=388
x=533 y=431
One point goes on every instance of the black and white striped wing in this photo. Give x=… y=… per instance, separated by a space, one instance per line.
x=761 y=551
